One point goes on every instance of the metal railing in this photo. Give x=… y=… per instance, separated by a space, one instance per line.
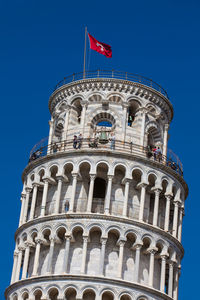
x=112 y=74
x=90 y=144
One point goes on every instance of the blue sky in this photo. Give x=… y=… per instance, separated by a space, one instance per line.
x=43 y=41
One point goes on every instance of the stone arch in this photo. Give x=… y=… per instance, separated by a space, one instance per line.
x=25 y=294
x=96 y=97
x=89 y=294
x=94 y=226
x=103 y=116
x=37 y=293
x=107 y=294
x=53 y=292
x=153 y=131
x=115 y=97
x=125 y=296
x=70 y=292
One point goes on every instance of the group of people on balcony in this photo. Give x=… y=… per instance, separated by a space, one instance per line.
x=77 y=141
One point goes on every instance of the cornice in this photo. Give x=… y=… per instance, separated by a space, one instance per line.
x=91 y=216
x=97 y=280
x=117 y=85
x=131 y=157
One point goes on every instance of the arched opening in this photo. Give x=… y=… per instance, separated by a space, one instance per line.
x=93 y=252
x=66 y=188
x=129 y=257
x=150 y=199
x=125 y=297
x=44 y=251
x=70 y=294
x=118 y=191
x=80 y=204
x=112 y=254
x=25 y=296
x=52 y=190
x=75 y=252
x=99 y=195
x=132 y=110
x=38 y=295
x=53 y=294
x=107 y=296
x=89 y=295
x=76 y=111
x=144 y=267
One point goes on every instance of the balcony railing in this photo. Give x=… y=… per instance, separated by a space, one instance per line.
x=112 y=74
x=171 y=160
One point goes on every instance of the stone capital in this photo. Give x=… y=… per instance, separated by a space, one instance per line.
x=28 y=189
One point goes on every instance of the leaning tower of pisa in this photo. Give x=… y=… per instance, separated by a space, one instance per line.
x=103 y=197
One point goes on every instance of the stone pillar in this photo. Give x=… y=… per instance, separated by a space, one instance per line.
x=137 y=248
x=50 y=136
x=26 y=260
x=83 y=117
x=165 y=137
x=170 y=283
x=143 y=113
x=66 y=255
x=181 y=213
x=125 y=207
x=83 y=263
x=50 y=258
x=167 y=212
x=23 y=199
x=163 y=272
x=36 y=258
x=58 y=195
x=108 y=195
x=120 y=259
x=28 y=190
x=71 y=204
x=34 y=198
x=90 y=194
x=124 y=120
x=14 y=267
x=44 y=197
x=175 y=218
x=102 y=256
x=19 y=263
x=151 y=265
x=66 y=123
x=142 y=200
x=156 y=207
x=176 y=279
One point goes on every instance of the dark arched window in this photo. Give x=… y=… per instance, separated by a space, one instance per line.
x=99 y=188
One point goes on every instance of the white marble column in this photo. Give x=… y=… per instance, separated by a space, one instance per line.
x=34 y=198
x=66 y=254
x=126 y=193
x=50 y=258
x=84 y=254
x=50 y=136
x=166 y=128
x=73 y=194
x=181 y=213
x=37 y=256
x=124 y=119
x=142 y=200
x=83 y=113
x=163 y=272
x=15 y=257
x=171 y=279
x=167 y=212
x=44 y=197
x=120 y=259
x=176 y=279
x=23 y=199
x=175 y=218
x=143 y=114
x=66 y=123
x=156 y=207
x=26 y=260
x=108 y=195
x=58 y=195
x=28 y=191
x=19 y=263
x=90 y=194
x=102 y=256
x=151 y=265
x=137 y=248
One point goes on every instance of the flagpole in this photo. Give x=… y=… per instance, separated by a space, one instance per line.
x=84 y=53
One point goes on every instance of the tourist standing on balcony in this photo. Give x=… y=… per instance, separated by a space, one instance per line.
x=75 y=141
x=79 y=140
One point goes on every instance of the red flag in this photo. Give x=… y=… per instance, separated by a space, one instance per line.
x=100 y=47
